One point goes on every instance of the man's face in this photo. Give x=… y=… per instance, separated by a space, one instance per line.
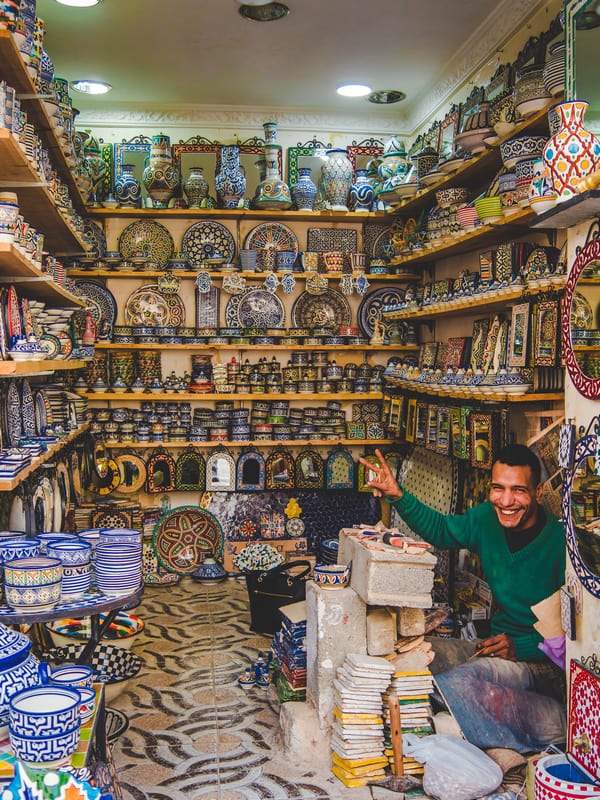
x=514 y=496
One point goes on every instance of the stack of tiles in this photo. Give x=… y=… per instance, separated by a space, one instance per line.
x=289 y=653
x=413 y=690
x=357 y=733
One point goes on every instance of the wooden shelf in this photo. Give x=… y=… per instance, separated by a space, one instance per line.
x=308 y=347
x=255 y=443
x=17 y=269
x=7 y=485
x=193 y=274
x=160 y=396
x=239 y=214
x=10 y=368
x=36 y=203
x=570 y=212
x=487 y=397
x=14 y=72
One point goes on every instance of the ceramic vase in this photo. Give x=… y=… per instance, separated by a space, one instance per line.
x=230 y=181
x=96 y=167
x=273 y=193
x=196 y=187
x=304 y=191
x=361 y=192
x=128 y=189
x=573 y=152
x=336 y=179
x=160 y=176
x=424 y=162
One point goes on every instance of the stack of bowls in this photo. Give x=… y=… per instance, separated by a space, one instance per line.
x=18 y=547
x=49 y=537
x=489 y=209
x=75 y=557
x=32 y=584
x=122 y=535
x=118 y=568
x=467 y=216
x=44 y=724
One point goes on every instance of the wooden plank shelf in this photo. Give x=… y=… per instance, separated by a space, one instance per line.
x=308 y=347
x=17 y=269
x=206 y=396
x=255 y=443
x=395 y=278
x=488 y=397
x=223 y=214
x=9 y=369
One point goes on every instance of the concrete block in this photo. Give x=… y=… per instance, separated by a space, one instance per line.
x=336 y=624
x=411 y=622
x=381 y=631
x=302 y=740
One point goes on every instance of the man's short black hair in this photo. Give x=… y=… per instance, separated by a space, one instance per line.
x=519 y=455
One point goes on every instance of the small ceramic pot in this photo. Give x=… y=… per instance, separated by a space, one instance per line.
x=331 y=576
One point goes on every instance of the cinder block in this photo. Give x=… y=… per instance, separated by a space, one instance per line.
x=411 y=622
x=381 y=631
x=302 y=739
x=336 y=624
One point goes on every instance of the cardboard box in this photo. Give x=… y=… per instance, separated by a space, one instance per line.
x=290 y=549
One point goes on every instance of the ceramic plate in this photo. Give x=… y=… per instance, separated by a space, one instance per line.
x=207 y=239
x=13 y=315
x=13 y=414
x=100 y=301
x=324 y=310
x=271 y=236
x=18 y=518
x=41 y=411
x=64 y=489
x=185 y=536
x=340 y=239
x=372 y=304
x=95 y=238
x=582 y=315
x=147 y=236
x=50 y=344
x=255 y=308
x=27 y=409
x=148 y=306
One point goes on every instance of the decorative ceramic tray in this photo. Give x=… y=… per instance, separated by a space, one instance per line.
x=582 y=315
x=185 y=536
x=271 y=236
x=100 y=300
x=50 y=344
x=27 y=409
x=324 y=239
x=324 y=310
x=148 y=306
x=372 y=304
x=12 y=410
x=94 y=236
x=147 y=236
x=255 y=308
x=207 y=239
x=13 y=315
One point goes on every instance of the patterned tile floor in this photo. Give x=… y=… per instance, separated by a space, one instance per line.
x=193 y=732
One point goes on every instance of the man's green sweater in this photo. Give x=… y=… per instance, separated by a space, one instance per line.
x=517 y=580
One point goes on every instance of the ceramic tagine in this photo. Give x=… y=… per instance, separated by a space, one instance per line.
x=210 y=571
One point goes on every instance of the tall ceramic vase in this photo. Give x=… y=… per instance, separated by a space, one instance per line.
x=128 y=189
x=573 y=152
x=272 y=193
x=336 y=179
x=196 y=187
x=230 y=181
x=160 y=176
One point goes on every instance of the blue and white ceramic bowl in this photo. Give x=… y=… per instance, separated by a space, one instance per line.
x=72 y=675
x=331 y=576
x=18 y=547
x=87 y=705
x=70 y=553
x=44 y=710
x=124 y=535
x=46 y=750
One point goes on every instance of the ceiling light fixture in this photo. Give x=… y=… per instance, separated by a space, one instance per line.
x=91 y=87
x=386 y=96
x=79 y=3
x=353 y=89
x=264 y=12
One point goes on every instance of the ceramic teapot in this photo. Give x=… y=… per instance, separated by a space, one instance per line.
x=19 y=668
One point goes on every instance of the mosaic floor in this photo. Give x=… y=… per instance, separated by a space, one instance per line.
x=193 y=732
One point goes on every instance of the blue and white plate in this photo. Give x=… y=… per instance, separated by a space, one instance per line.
x=207 y=239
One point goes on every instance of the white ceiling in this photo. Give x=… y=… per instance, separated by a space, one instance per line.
x=160 y=54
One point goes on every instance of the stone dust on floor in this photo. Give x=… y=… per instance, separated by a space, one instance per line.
x=193 y=732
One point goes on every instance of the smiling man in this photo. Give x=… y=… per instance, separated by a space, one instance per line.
x=515 y=700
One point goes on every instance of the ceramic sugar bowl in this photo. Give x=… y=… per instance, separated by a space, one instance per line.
x=19 y=668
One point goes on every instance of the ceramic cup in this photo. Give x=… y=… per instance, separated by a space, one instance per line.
x=309 y=260
x=333 y=260
x=285 y=259
x=76 y=675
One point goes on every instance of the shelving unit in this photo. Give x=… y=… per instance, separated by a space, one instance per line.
x=42 y=367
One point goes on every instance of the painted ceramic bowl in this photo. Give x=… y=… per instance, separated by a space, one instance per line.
x=44 y=710
x=45 y=749
x=32 y=584
x=87 y=704
x=488 y=208
x=72 y=675
x=331 y=576
x=18 y=547
x=450 y=196
x=520 y=147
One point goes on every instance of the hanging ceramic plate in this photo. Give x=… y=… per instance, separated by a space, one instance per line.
x=271 y=236
x=255 y=308
x=207 y=239
x=329 y=309
x=3 y=325
x=371 y=306
x=50 y=344
x=185 y=537
x=147 y=236
x=94 y=236
x=38 y=508
x=27 y=409
x=18 y=518
x=100 y=300
x=148 y=306
x=13 y=414
x=42 y=412
x=582 y=315
x=64 y=490
x=13 y=315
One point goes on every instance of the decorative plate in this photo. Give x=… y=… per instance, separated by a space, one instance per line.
x=43 y=412
x=50 y=344
x=372 y=304
x=147 y=236
x=148 y=306
x=132 y=471
x=294 y=527
x=184 y=537
x=315 y=311
x=27 y=409
x=270 y=236
x=582 y=315
x=58 y=506
x=254 y=308
x=374 y=236
x=100 y=300
x=13 y=414
x=207 y=239
x=95 y=238
x=13 y=315
x=18 y=517
x=323 y=239
x=64 y=488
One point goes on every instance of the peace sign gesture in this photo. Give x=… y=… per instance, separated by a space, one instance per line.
x=383 y=483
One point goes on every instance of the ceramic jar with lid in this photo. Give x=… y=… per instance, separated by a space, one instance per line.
x=19 y=668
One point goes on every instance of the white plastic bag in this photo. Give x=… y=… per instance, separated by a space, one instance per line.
x=454 y=768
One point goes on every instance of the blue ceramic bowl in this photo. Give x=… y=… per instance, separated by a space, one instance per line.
x=44 y=711
x=44 y=749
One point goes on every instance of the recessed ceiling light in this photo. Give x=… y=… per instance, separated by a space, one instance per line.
x=254 y=2
x=386 y=96
x=79 y=3
x=91 y=87
x=353 y=89
x=264 y=12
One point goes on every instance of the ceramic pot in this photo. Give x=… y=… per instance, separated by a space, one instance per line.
x=304 y=191
x=424 y=162
x=336 y=179
x=230 y=182
x=128 y=189
x=195 y=187
x=160 y=176
x=362 y=195
x=573 y=152
x=530 y=93
x=272 y=193
x=19 y=668
x=553 y=73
